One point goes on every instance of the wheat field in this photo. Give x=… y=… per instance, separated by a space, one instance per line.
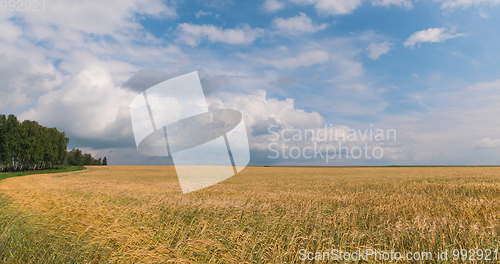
x=137 y=214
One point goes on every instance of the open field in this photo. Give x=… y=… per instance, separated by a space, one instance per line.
x=61 y=169
x=127 y=214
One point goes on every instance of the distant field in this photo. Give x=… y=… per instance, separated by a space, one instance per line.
x=137 y=214
x=5 y=175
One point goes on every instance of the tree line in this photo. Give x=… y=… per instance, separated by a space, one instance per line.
x=28 y=145
x=77 y=157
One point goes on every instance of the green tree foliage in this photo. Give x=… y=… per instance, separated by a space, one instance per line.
x=29 y=146
x=76 y=157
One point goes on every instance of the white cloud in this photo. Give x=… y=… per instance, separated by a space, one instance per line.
x=400 y=3
x=258 y=107
x=461 y=126
x=273 y=5
x=450 y=4
x=66 y=29
x=297 y=25
x=304 y=59
x=84 y=84
x=97 y=17
x=202 y=13
x=10 y=32
x=338 y=74
x=22 y=80
x=262 y=113
x=192 y=34
x=431 y=35
x=87 y=105
x=488 y=143
x=331 y=7
x=375 y=50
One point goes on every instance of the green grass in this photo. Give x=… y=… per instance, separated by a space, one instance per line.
x=60 y=169
x=24 y=239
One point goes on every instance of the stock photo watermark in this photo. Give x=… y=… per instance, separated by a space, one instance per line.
x=23 y=5
x=329 y=143
x=456 y=255
x=172 y=119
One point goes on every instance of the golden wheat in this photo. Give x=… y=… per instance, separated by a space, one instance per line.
x=135 y=214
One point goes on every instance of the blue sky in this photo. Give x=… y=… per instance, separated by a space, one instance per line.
x=428 y=69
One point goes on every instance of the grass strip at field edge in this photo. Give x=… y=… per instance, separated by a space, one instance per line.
x=61 y=169
x=25 y=239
